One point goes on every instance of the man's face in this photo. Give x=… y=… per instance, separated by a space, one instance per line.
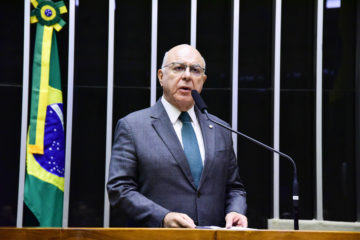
x=177 y=85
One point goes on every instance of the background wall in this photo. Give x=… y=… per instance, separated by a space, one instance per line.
x=132 y=65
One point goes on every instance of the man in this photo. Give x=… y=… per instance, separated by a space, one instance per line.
x=170 y=166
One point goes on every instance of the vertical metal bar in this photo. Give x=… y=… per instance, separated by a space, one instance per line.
x=69 y=112
x=357 y=112
x=235 y=65
x=277 y=52
x=319 y=52
x=154 y=22
x=109 y=110
x=24 y=113
x=193 y=23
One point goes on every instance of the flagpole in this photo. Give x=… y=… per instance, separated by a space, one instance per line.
x=24 y=113
x=69 y=113
x=109 y=110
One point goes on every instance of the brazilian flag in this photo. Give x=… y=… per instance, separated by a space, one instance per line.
x=45 y=153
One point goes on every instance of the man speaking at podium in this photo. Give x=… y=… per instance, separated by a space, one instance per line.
x=170 y=166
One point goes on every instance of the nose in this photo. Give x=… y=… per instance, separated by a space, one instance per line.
x=186 y=73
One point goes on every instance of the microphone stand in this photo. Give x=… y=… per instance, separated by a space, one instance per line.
x=295 y=196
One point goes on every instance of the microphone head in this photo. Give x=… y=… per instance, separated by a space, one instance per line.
x=199 y=101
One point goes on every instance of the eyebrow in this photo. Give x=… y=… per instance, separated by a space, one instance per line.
x=196 y=64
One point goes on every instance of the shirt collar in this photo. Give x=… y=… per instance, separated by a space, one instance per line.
x=174 y=113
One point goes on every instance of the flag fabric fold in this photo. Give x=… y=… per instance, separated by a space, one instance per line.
x=45 y=152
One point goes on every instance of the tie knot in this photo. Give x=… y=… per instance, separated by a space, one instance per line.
x=184 y=117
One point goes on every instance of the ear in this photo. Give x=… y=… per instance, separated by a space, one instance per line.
x=204 y=78
x=160 y=76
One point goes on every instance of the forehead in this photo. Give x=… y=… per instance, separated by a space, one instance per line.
x=185 y=55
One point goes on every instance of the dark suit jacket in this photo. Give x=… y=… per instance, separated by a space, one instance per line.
x=150 y=176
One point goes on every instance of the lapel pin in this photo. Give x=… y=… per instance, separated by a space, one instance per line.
x=211 y=126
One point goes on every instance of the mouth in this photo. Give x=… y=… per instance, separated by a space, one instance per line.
x=185 y=89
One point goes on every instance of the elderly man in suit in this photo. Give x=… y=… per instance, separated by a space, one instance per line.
x=170 y=166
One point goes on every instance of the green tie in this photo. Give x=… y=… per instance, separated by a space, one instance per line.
x=191 y=147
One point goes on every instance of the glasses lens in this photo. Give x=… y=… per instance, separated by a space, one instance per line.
x=179 y=68
x=196 y=70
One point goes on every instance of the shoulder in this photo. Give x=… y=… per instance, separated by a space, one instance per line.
x=135 y=118
x=131 y=123
x=138 y=115
x=142 y=117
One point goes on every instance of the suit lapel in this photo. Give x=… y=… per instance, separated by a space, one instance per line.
x=166 y=132
x=209 y=143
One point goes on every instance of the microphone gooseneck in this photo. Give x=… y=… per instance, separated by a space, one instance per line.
x=203 y=108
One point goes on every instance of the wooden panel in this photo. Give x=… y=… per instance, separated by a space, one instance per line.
x=162 y=234
x=286 y=235
x=136 y=233
x=29 y=233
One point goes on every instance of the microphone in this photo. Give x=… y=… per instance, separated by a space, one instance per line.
x=199 y=101
x=203 y=108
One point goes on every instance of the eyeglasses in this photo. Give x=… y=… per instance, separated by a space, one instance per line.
x=179 y=68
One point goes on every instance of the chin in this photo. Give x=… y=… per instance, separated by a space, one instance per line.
x=183 y=98
x=185 y=105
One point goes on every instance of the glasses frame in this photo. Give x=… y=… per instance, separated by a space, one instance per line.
x=187 y=66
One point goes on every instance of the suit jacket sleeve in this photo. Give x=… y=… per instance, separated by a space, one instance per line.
x=122 y=185
x=235 y=192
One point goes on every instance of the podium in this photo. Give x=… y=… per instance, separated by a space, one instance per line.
x=166 y=233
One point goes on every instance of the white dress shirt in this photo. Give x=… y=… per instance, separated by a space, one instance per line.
x=174 y=114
